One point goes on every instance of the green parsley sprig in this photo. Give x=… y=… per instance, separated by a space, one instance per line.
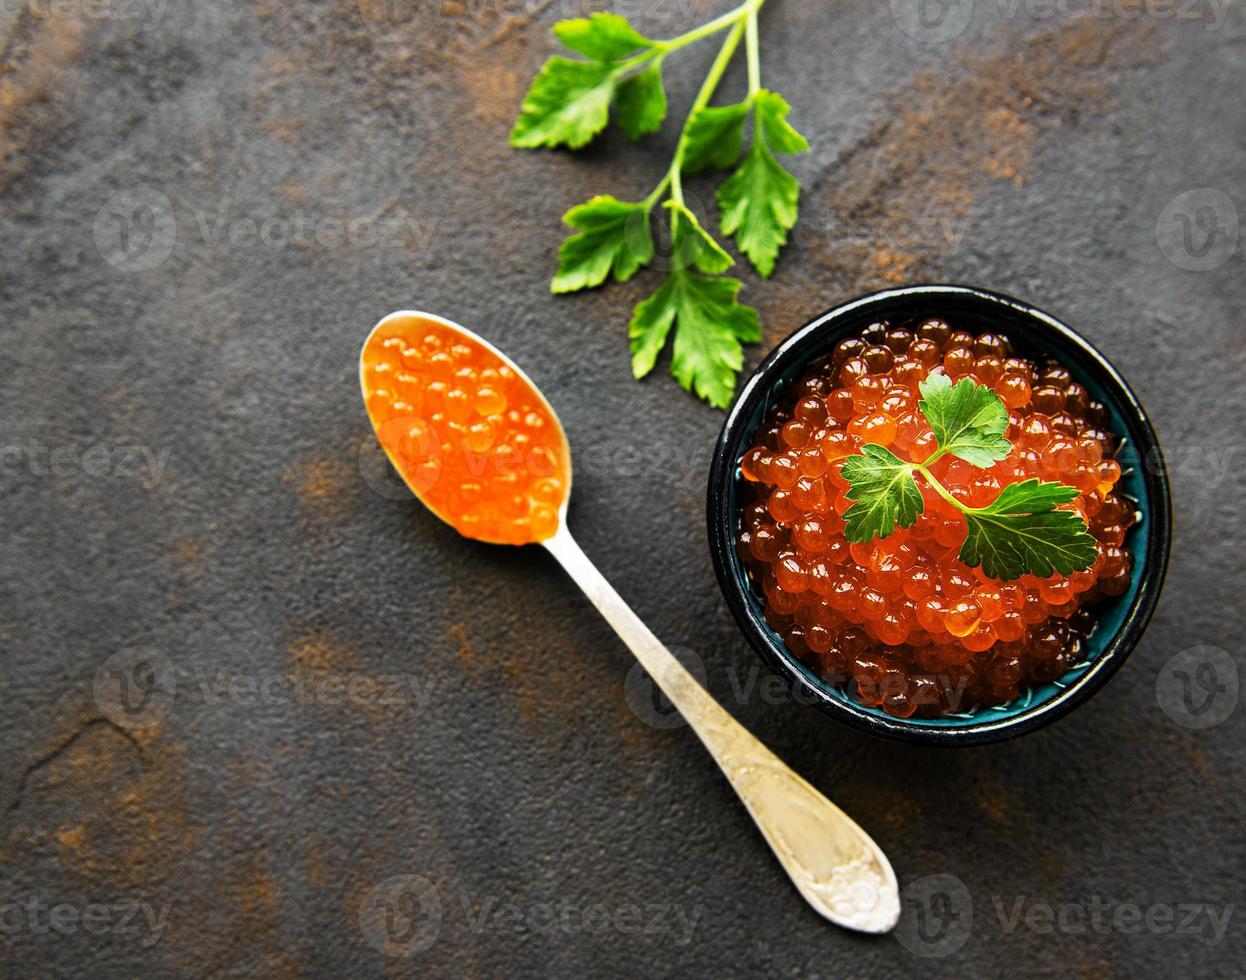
x=569 y=103
x=1020 y=532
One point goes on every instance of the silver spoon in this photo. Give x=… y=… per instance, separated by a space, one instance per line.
x=833 y=863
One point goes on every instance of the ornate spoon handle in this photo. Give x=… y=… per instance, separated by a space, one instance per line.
x=833 y=862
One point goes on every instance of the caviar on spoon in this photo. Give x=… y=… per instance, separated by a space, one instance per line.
x=479 y=445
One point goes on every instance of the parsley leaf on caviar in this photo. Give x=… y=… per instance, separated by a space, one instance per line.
x=568 y=103
x=968 y=419
x=1019 y=532
x=1022 y=532
x=1031 y=497
x=885 y=492
x=601 y=36
x=614 y=236
x=710 y=326
x=642 y=102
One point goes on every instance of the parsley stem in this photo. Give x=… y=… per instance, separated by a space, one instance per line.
x=705 y=30
x=671 y=178
x=708 y=87
x=657 y=192
x=943 y=492
x=661 y=49
x=753 y=49
x=741 y=20
x=938 y=487
x=637 y=60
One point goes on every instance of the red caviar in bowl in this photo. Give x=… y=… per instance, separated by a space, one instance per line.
x=902 y=622
x=470 y=434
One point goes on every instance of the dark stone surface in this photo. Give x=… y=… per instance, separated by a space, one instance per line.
x=1032 y=154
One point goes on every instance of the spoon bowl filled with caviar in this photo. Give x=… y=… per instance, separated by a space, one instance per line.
x=940 y=513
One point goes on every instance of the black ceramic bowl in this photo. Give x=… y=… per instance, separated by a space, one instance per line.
x=1120 y=621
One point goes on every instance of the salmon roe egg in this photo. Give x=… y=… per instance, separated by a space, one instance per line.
x=901 y=623
x=471 y=437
